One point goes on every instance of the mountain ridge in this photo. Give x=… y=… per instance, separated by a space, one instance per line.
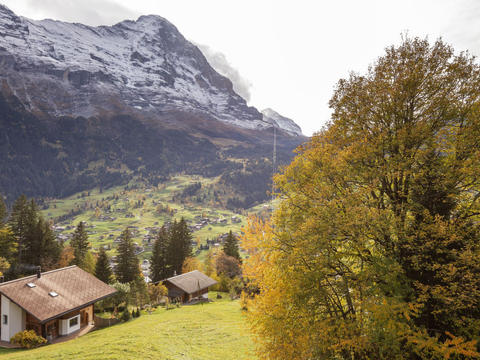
x=145 y=64
x=78 y=113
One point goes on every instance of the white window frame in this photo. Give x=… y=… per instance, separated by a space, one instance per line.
x=74 y=317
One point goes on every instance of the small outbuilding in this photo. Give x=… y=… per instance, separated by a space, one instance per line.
x=188 y=286
x=54 y=303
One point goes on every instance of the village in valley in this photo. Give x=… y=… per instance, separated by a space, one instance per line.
x=144 y=209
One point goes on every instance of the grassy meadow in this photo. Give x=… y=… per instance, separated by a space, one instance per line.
x=215 y=330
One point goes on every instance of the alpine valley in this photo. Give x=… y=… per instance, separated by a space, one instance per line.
x=84 y=107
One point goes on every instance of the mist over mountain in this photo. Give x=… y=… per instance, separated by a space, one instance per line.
x=84 y=106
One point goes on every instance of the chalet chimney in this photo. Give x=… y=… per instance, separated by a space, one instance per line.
x=39 y=272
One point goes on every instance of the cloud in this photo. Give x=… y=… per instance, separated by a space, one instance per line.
x=220 y=63
x=90 y=12
x=463 y=26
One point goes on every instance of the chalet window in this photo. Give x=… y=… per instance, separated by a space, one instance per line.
x=5 y=319
x=73 y=321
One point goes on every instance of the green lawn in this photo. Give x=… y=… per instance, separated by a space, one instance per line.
x=211 y=331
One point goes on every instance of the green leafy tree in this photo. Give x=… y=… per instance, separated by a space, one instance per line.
x=80 y=245
x=4 y=265
x=8 y=244
x=128 y=268
x=230 y=248
x=227 y=265
x=159 y=265
x=373 y=251
x=139 y=292
x=156 y=292
x=122 y=295
x=103 y=270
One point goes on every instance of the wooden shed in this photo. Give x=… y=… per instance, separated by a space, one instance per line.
x=188 y=286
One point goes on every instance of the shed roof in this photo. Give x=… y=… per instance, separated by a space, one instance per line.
x=192 y=281
x=75 y=287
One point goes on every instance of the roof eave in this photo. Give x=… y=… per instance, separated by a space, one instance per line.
x=21 y=307
x=76 y=308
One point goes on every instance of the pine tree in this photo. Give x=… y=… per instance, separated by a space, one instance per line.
x=3 y=212
x=179 y=247
x=230 y=247
x=18 y=226
x=127 y=268
x=8 y=243
x=48 y=246
x=80 y=245
x=159 y=266
x=36 y=241
x=103 y=271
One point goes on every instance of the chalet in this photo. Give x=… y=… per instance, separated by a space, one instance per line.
x=188 y=286
x=53 y=303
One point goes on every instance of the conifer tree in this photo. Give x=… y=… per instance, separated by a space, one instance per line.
x=3 y=212
x=8 y=243
x=230 y=248
x=179 y=247
x=80 y=245
x=49 y=248
x=18 y=225
x=103 y=271
x=36 y=241
x=127 y=268
x=159 y=265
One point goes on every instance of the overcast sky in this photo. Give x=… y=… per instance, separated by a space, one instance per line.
x=287 y=55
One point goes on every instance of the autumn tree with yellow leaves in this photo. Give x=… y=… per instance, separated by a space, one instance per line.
x=374 y=249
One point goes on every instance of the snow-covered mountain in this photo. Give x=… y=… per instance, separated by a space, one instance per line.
x=282 y=122
x=145 y=67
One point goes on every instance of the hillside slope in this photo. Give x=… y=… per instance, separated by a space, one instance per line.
x=199 y=332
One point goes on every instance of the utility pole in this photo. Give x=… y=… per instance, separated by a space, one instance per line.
x=274 y=162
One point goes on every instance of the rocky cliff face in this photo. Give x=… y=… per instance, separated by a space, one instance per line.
x=84 y=107
x=144 y=66
x=281 y=122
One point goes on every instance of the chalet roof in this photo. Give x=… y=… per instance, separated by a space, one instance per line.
x=75 y=287
x=192 y=281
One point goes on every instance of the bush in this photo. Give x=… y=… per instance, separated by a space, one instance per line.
x=28 y=339
x=137 y=314
x=125 y=315
x=233 y=293
x=134 y=315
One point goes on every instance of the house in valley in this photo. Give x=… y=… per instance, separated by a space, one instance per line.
x=188 y=286
x=54 y=303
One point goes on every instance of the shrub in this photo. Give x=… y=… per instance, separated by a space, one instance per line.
x=125 y=315
x=137 y=314
x=28 y=339
x=233 y=293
